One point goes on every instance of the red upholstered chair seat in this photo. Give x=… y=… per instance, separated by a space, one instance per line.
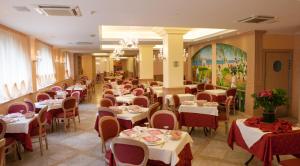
x=9 y=141
x=61 y=115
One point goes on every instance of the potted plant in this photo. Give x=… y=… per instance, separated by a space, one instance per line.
x=269 y=100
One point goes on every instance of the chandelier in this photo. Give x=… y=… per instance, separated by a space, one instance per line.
x=129 y=42
x=118 y=52
x=160 y=54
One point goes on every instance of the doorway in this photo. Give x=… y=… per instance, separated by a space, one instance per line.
x=278 y=74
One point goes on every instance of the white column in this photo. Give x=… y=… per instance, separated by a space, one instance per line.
x=146 y=62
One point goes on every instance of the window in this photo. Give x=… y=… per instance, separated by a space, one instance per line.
x=45 y=66
x=67 y=65
x=15 y=66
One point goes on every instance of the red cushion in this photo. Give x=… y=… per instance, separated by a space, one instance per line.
x=68 y=115
x=9 y=141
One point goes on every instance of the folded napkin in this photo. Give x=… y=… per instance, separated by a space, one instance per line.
x=279 y=126
x=129 y=132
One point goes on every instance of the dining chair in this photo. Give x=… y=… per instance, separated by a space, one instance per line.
x=30 y=105
x=104 y=111
x=108 y=91
x=135 y=82
x=2 y=152
x=232 y=92
x=108 y=86
x=10 y=143
x=188 y=90
x=109 y=128
x=39 y=131
x=119 y=81
x=209 y=87
x=152 y=109
x=64 y=86
x=188 y=82
x=164 y=119
x=200 y=87
x=42 y=96
x=153 y=83
x=138 y=92
x=126 y=82
x=142 y=101
x=105 y=102
x=224 y=111
x=111 y=97
x=51 y=93
x=76 y=94
x=69 y=107
x=56 y=88
x=204 y=96
x=129 y=152
x=17 y=107
x=128 y=86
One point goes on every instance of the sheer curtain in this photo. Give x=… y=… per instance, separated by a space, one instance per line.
x=45 y=66
x=67 y=65
x=15 y=66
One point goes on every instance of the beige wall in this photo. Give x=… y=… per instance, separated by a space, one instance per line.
x=88 y=65
x=32 y=53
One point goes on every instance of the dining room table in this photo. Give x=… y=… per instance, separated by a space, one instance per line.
x=193 y=114
x=54 y=107
x=82 y=89
x=19 y=126
x=219 y=95
x=164 y=149
x=125 y=99
x=182 y=98
x=265 y=140
x=128 y=116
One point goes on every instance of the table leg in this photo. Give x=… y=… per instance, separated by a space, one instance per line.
x=278 y=158
x=250 y=159
x=192 y=129
x=205 y=131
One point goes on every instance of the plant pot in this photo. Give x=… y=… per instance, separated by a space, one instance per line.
x=269 y=117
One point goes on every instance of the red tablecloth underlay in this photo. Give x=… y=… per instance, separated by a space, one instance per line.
x=198 y=120
x=50 y=114
x=270 y=144
x=124 y=124
x=24 y=138
x=185 y=158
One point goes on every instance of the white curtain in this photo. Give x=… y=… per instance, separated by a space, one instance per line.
x=67 y=65
x=45 y=66
x=15 y=66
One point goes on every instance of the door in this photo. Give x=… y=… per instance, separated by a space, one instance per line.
x=278 y=75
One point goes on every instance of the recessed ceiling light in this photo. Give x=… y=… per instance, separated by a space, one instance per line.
x=93 y=12
x=92 y=35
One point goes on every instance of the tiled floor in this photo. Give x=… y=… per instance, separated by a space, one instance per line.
x=82 y=147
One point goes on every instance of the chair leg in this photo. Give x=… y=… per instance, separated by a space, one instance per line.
x=18 y=151
x=46 y=141
x=226 y=127
x=41 y=145
x=74 y=123
x=78 y=117
x=65 y=125
x=14 y=148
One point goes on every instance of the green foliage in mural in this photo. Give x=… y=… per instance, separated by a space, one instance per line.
x=201 y=65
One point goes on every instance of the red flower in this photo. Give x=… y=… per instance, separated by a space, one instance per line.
x=265 y=93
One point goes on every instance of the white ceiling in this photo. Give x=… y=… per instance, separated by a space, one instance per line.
x=65 y=31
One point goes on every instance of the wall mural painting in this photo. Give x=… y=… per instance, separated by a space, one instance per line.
x=231 y=66
x=201 y=65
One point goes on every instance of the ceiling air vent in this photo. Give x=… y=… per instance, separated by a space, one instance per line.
x=258 y=19
x=84 y=43
x=22 y=8
x=57 y=10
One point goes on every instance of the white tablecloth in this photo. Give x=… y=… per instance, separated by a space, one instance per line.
x=216 y=92
x=125 y=99
x=52 y=104
x=61 y=94
x=77 y=87
x=20 y=126
x=250 y=134
x=199 y=109
x=168 y=153
x=191 y=86
x=182 y=97
x=133 y=117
